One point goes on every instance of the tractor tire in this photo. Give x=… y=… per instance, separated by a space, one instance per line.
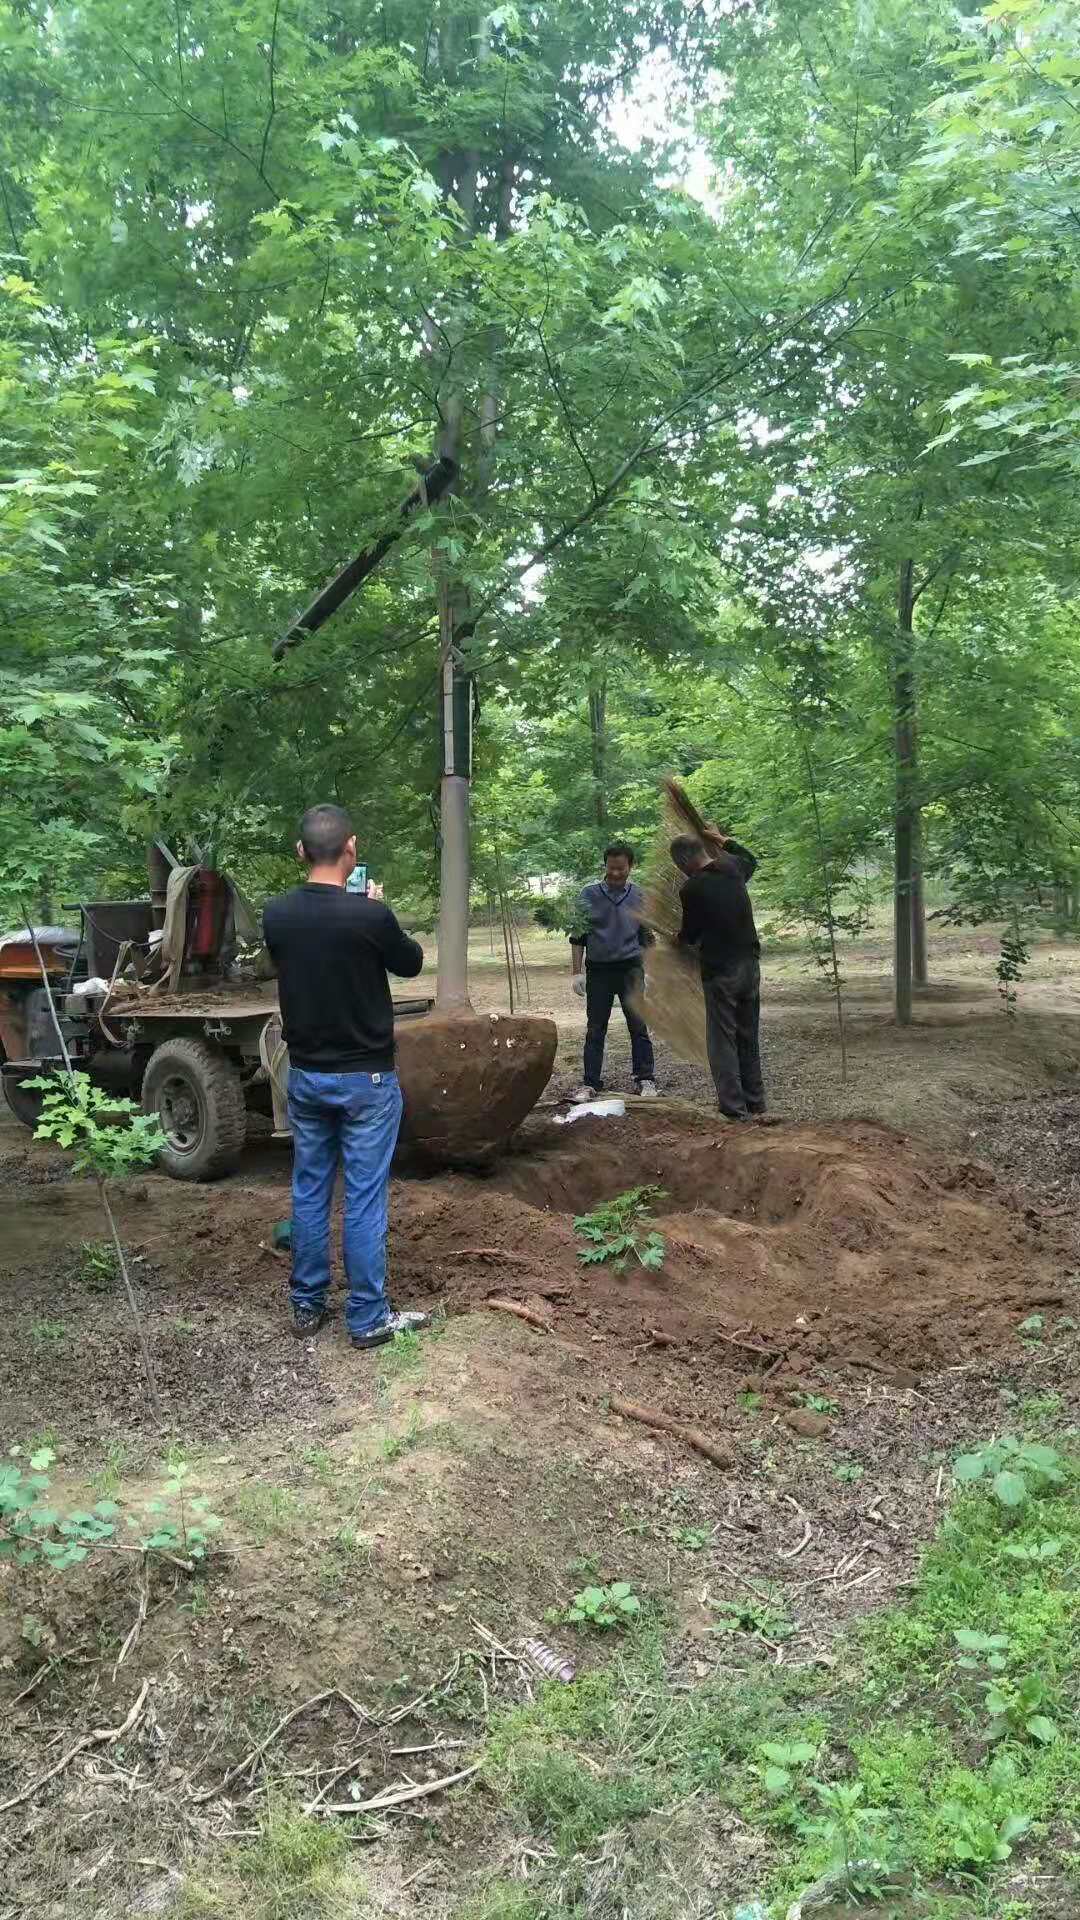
x=25 y=1102
x=194 y=1091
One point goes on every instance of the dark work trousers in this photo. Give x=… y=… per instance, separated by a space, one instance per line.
x=732 y=1012
x=606 y=982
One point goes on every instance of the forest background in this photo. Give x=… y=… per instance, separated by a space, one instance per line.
x=753 y=334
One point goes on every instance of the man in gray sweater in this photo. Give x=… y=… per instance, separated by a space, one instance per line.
x=607 y=942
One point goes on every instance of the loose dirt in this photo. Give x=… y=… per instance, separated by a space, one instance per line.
x=791 y=1254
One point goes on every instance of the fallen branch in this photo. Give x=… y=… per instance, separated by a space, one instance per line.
x=243 y=1766
x=515 y=1307
x=101 y=1737
x=400 y=1713
x=397 y=1796
x=792 y=1553
x=747 y=1346
x=139 y=1620
x=46 y=1669
x=663 y=1423
x=487 y=1253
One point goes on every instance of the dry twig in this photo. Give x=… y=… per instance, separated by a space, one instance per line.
x=140 y=1617
x=792 y=1553
x=487 y=1253
x=101 y=1736
x=397 y=1796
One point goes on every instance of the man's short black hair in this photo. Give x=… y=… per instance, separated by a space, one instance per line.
x=686 y=850
x=323 y=832
x=620 y=847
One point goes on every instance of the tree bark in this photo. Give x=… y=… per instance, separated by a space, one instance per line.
x=598 y=745
x=919 y=963
x=452 y=983
x=906 y=810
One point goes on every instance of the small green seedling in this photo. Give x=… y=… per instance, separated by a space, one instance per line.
x=692 y=1539
x=47 y=1333
x=1031 y=1329
x=817 y=1402
x=750 y=1401
x=97 y=1266
x=617 y=1229
x=1016 y=1708
x=981 y=1649
x=604 y=1607
x=111 y=1137
x=759 y=1616
x=782 y=1764
x=1036 y=1555
x=1016 y=1470
x=979 y=1843
x=850 y=1831
x=849 y=1471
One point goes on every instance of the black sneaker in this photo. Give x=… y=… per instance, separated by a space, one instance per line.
x=307 y=1321
x=395 y=1323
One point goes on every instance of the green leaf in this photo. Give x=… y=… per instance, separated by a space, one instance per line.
x=969 y=1466
x=1009 y=1488
x=1041 y=1728
x=776 y=1779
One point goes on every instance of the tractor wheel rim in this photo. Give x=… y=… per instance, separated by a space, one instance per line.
x=180 y=1113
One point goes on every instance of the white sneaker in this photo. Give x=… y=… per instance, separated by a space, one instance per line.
x=647 y=1090
x=407 y=1322
x=581 y=1094
x=393 y=1324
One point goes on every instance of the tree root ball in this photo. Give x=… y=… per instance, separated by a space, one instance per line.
x=470 y=1079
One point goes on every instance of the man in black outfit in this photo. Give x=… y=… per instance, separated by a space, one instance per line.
x=332 y=950
x=718 y=920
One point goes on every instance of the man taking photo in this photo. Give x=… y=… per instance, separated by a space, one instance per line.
x=607 y=941
x=333 y=950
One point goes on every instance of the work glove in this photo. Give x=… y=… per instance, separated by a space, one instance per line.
x=577 y=985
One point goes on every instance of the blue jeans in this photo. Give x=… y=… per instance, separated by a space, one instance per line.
x=604 y=984
x=352 y=1118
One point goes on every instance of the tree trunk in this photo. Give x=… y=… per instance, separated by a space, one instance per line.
x=452 y=985
x=598 y=745
x=906 y=816
x=919 y=964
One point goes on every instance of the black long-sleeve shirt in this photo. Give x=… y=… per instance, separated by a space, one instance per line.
x=332 y=951
x=718 y=917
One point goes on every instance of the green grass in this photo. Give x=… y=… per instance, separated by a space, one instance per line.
x=402 y=1356
x=293 y=1869
x=322 y=1465
x=48 y=1333
x=588 y=1773
x=267 y=1512
x=97 y=1269
x=393 y=1445
x=107 y=1480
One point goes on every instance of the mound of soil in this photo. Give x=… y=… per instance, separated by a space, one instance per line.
x=790 y=1252
x=833 y=1247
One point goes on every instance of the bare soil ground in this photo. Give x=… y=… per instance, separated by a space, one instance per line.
x=960 y=1049
x=847 y=1291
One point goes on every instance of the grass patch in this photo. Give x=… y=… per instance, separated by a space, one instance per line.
x=294 y=1869
x=109 y=1476
x=915 y=1751
x=267 y=1512
x=401 y=1357
x=48 y=1333
x=393 y=1445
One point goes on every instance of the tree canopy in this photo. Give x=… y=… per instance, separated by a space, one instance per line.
x=767 y=483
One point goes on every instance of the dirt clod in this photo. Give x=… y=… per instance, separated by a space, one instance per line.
x=807 y=1424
